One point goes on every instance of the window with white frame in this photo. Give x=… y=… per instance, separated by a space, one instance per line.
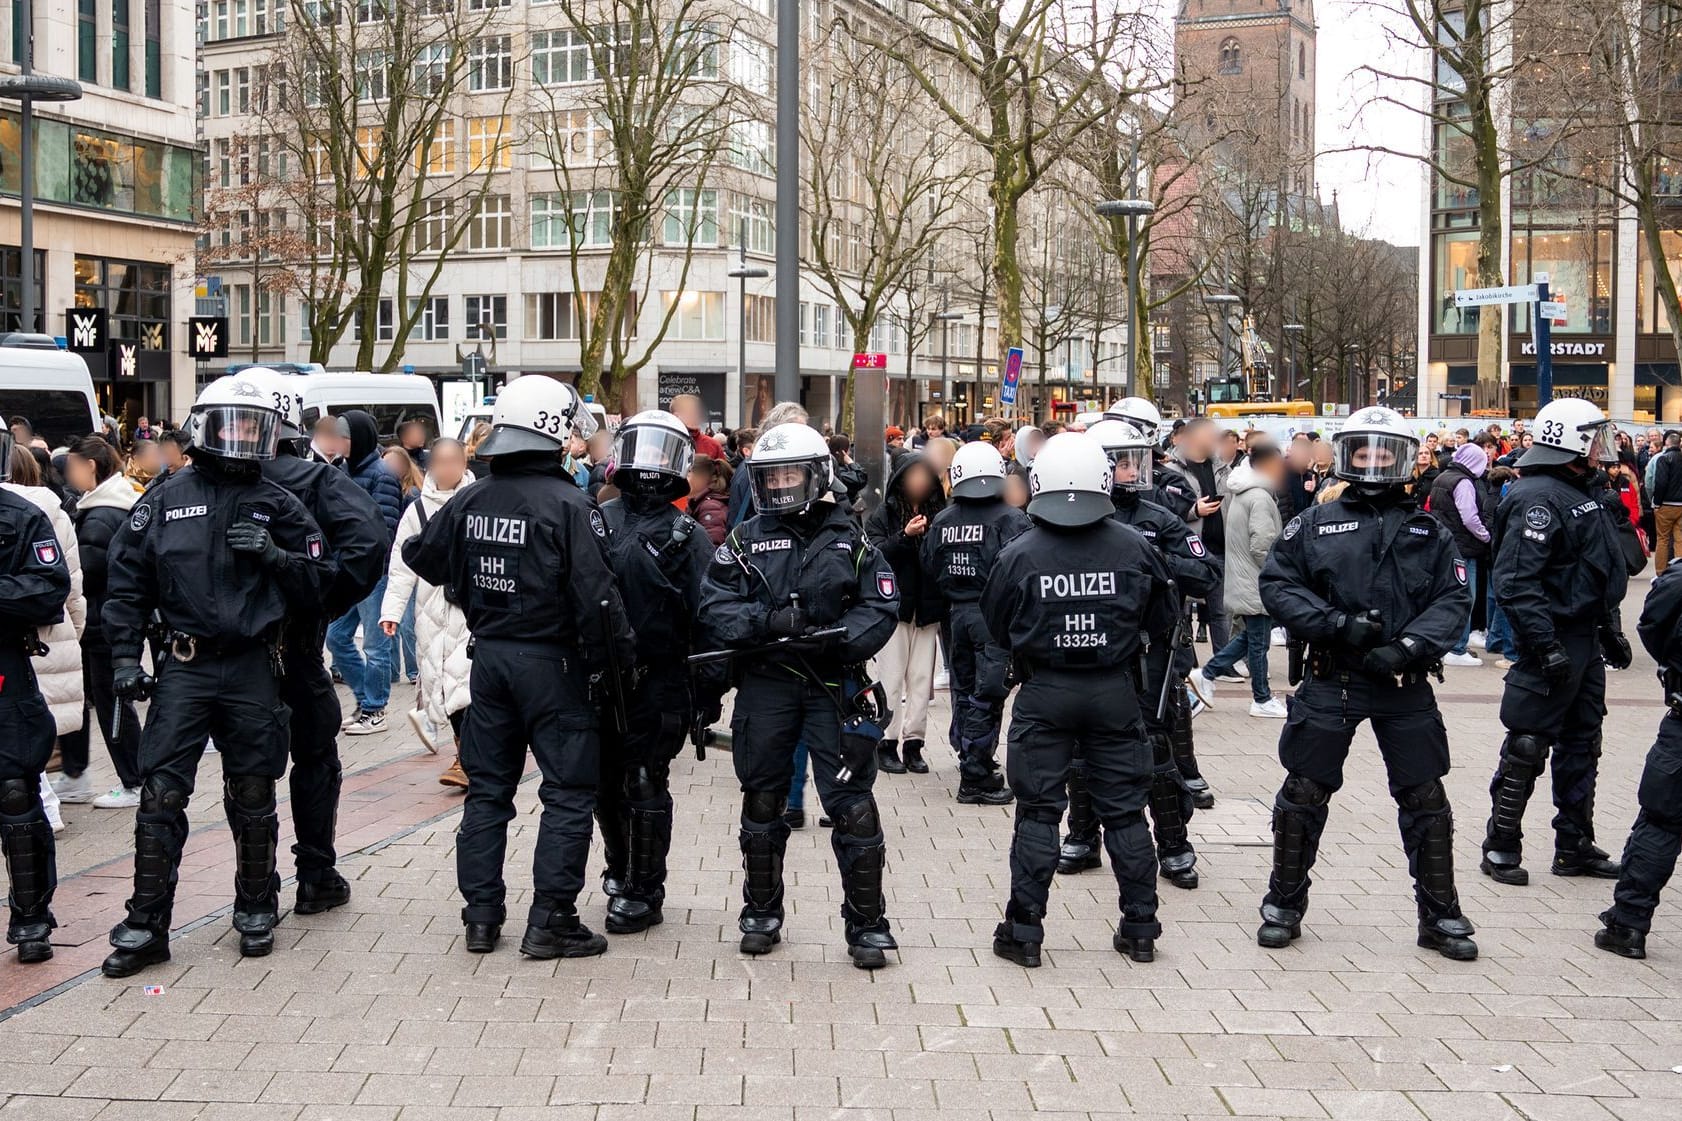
x=691 y=218
x=697 y=315
x=695 y=50
x=820 y=324
x=271 y=318
x=438 y=155
x=385 y=326
x=370 y=11
x=750 y=65
x=485 y=5
x=490 y=63
x=750 y=147
x=224 y=93
x=752 y=223
x=432 y=67
x=488 y=144
x=553 y=316
x=560 y=57
x=432 y=225
x=491 y=224
x=432 y=319
x=759 y=318
x=575 y=136
x=372 y=75
x=485 y=317
x=242 y=89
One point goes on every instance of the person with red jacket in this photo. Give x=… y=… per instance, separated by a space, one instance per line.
x=687 y=408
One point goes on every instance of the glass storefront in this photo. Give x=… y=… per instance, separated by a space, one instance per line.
x=103 y=170
x=1578 y=264
x=1456 y=268
x=1651 y=315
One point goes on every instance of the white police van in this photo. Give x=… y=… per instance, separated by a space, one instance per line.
x=48 y=387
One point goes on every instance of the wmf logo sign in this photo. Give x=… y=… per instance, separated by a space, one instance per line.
x=126 y=360
x=84 y=329
x=207 y=337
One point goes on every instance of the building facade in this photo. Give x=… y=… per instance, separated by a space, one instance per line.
x=507 y=290
x=116 y=190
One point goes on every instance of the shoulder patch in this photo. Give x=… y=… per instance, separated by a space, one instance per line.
x=885 y=586
x=1292 y=528
x=723 y=555
x=1538 y=517
x=46 y=551
x=314 y=546
x=1195 y=544
x=141 y=518
x=598 y=526
x=1460 y=570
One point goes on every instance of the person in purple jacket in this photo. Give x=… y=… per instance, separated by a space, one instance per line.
x=1464 y=504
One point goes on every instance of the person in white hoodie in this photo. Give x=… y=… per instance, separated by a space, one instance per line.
x=1252 y=526
x=59 y=671
x=94 y=468
x=440 y=627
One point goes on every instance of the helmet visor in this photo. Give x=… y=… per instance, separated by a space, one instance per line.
x=1132 y=468
x=1603 y=443
x=648 y=447
x=785 y=487
x=238 y=431
x=1375 y=457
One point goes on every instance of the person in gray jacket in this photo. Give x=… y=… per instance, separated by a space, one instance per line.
x=1252 y=526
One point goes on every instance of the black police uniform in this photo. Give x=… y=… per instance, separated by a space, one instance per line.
x=1333 y=565
x=811 y=571
x=660 y=557
x=1655 y=841
x=1559 y=576
x=34 y=584
x=356 y=550
x=962 y=543
x=221 y=613
x=1073 y=609
x=1194 y=573
x=524 y=553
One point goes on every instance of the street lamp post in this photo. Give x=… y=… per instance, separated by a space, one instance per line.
x=944 y=317
x=28 y=88
x=1223 y=302
x=1293 y=332
x=1132 y=210
x=743 y=272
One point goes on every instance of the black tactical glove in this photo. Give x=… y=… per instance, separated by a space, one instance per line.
x=1614 y=647
x=1556 y=663
x=249 y=537
x=129 y=681
x=1393 y=657
x=787 y=622
x=1362 y=631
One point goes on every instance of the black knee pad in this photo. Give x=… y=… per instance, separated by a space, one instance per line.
x=17 y=795
x=1045 y=815
x=763 y=806
x=160 y=794
x=1126 y=820
x=1301 y=790
x=860 y=819
x=1426 y=798
x=1527 y=750
x=252 y=793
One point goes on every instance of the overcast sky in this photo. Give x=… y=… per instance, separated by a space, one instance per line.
x=1378 y=195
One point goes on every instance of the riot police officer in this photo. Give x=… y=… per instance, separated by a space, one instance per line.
x=1559 y=575
x=223 y=556
x=660 y=556
x=959 y=549
x=1373 y=584
x=1073 y=602
x=806 y=600
x=356 y=548
x=1654 y=842
x=1166 y=716
x=1168 y=488
x=524 y=554
x=34 y=584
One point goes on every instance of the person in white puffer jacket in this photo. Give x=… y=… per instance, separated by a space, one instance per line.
x=440 y=627
x=59 y=670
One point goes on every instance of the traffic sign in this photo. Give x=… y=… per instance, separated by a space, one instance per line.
x=1512 y=294
x=870 y=361
x=1013 y=374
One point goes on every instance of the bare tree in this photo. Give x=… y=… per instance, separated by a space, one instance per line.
x=638 y=155
x=362 y=97
x=1015 y=78
x=884 y=181
x=245 y=233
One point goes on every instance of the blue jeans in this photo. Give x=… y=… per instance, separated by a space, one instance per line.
x=1471 y=582
x=797 y=785
x=409 y=663
x=1498 y=639
x=369 y=679
x=1251 y=645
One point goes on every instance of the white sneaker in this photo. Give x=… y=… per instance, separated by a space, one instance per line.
x=74 y=790
x=1198 y=705
x=1476 y=639
x=118 y=798
x=425 y=729
x=367 y=723
x=942 y=680
x=355 y=715
x=1202 y=686
x=1273 y=708
x=54 y=818
x=1230 y=676
x=1466 y=659
x=1242 y=669
x=1279 y=637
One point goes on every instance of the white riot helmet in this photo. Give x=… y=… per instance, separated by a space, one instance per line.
x=287 y=393
x=1129 y=451
x=1070 y=481
x=977 y=471
x=1568 y=429
x=533 y=414
x=236 y=418
x=1138 y=412
x=652 y=453
x=1029 y=440
x=790 y=470
x=1375 y=448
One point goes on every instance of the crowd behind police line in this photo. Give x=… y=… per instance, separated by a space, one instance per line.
x=1067 y=570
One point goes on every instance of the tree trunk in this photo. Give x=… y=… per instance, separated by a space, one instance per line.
x=1491 y=389
x=861 y=342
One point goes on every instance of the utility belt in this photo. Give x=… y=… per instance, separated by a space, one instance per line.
x=28 y=643
x=1671 y=678
x=1344 y=668
x=179 y=646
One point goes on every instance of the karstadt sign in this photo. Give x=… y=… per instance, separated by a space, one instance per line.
x=1567 y=349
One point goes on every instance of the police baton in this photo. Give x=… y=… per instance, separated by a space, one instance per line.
x=615 y=683
x=790 y=643
x=1168 y=668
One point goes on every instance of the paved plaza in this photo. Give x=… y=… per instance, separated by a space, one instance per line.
x=374 y=1012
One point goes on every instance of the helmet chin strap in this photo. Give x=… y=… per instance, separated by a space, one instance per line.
x=1380 y=495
